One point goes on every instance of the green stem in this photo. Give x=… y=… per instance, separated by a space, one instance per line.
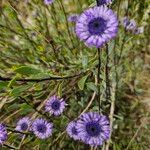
x=41 y=79
x=9 y=146
x=98 y=78
x=107 y=75
x=67 y=24
x=32 y=106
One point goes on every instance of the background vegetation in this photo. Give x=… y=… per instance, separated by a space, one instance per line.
x=37 y=42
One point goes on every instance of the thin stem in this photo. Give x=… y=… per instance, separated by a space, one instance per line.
x=39 y=80
x=67 y=24
x=98 y=78
x=122 y=46
x=56 y=22
x=15 y=131
x=115 y=56
x=9 y=146
x=124 y=38
x=97 y=2
x=137 y=131
x=51 y=40
x=111 y=115
x=98 y=73
x=13 y=31
x=107 y=75
x=49 y=37
x=33 y=44
x=114 y=88
x=32 y=106
x=91 y=100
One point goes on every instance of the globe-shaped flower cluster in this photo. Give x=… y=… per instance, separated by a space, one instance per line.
x=91 y=128
x=96 y=26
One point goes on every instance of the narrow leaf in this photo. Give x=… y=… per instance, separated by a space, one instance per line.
x=81 y=82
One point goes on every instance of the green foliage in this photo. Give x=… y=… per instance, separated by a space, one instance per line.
x=26 y=70
x=37 y=42
x=82 y=81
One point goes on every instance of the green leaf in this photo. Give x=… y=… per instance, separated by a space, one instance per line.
x=84 y=62
x=111 y=46
x=60 y=87
x=81 y=82
x=13 y=80
x=92 y=86
x=3 y=85
x=81 y=103
x=93 y=63
x=18 y=90
x=25 y=109
x=26 y=70
x=116 y=146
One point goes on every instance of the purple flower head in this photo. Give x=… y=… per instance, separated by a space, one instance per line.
x=125 y=22
x=55 y=105
x=23 y=124
x=73 y=18
x=103 y=2
x=3 y=134
x=97 y=26
x=132 y=25
x=72 y=131
x=41 y=128
x=93 y=129
x=47 y=2
x=139 y=30
x=129 y=24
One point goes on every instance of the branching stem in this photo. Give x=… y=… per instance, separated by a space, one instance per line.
x=39 y=80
